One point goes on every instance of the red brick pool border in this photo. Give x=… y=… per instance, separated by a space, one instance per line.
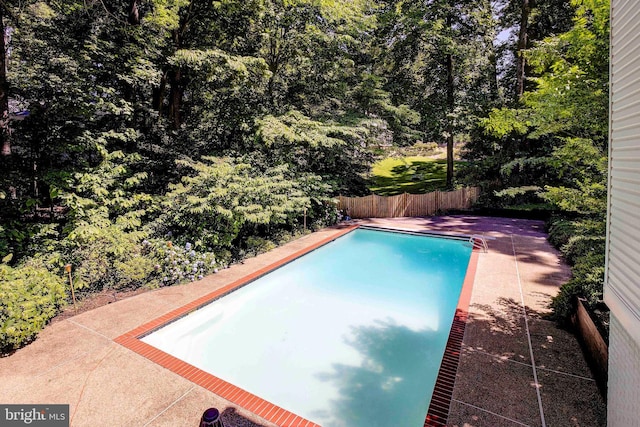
x=438 y=410
x=443 y=390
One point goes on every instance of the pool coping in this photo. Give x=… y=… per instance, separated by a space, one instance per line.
x=440 y=404
x=441 y=398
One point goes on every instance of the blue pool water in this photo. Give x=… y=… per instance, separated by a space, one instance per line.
x=351 y=334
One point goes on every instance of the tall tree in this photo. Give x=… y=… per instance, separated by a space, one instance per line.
x=522 y=46
x=4 y=88
x=440 y=64
x=450 y=97
x=554 y=143
x=522 y=23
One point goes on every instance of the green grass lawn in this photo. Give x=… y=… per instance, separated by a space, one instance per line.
x=413 y=175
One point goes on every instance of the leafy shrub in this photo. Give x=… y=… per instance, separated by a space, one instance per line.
x=420 y=149
x=4 y=242
x=107 y=257
x=19 y=238
x=323 y=215
x=580 y=246
x=562 y=303
x=527 y=196
x=30 y=296
x=258 y=245
x=590 y=273
x=177 y=263
x=226 y=199
x=582 y=243
x=588 y=277
x=560 y=231
x=582 y=164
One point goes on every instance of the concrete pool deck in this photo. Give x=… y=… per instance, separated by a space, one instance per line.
x=516 y=369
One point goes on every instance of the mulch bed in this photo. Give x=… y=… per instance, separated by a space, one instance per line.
x=93 y=301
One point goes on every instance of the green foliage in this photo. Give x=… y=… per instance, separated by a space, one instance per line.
x=562 y=229
x=257 y=245
x=522 y=198
x=107 y=257
x=30 y=296
x=225 y=96
x=108 y=192
x=583 y=167
x=103 y=235
x=164 y=13
x=295 y=129
x=422 y=40
x=582 y=243
x=212 y=207
x=21 y=240
x=571 y=98
x=587 y=198
x=520 y=165
x=6 y=236
x=587 y=284
x=178 y=263
x=554 y=140
x=334 y=151
x=504 y=121
x=377 y=102
x=582 y=246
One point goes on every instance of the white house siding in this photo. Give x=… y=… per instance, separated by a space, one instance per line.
x=622 y=281
x=624 y=377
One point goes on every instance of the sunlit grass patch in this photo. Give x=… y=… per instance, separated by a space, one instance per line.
x=413 y=175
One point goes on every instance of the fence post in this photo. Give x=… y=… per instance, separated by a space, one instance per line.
x=405 y=203
x=375 y=206
x=67 y=268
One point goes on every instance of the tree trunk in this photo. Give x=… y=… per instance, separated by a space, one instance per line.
x=450 y=110
x=273 y=62
x=273 y=67
x=175 y=77
x=4 y=92
x=134 y=14
x=175 y=98
x=522 y=45
x=159 y=93
x=493 y=77
x=450 y=102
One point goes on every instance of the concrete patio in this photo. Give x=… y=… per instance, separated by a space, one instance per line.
x=516 y=369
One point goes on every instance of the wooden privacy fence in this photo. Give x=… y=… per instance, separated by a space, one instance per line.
x=408 y=204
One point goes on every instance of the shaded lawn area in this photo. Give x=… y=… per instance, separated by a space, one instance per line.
x=414 y=175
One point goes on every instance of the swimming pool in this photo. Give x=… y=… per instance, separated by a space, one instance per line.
x=350 y=334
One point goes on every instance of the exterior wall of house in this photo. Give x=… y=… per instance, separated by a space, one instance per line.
x=624 y=377
x=622 y=281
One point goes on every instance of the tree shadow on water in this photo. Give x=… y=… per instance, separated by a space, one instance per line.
x=388 y=388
